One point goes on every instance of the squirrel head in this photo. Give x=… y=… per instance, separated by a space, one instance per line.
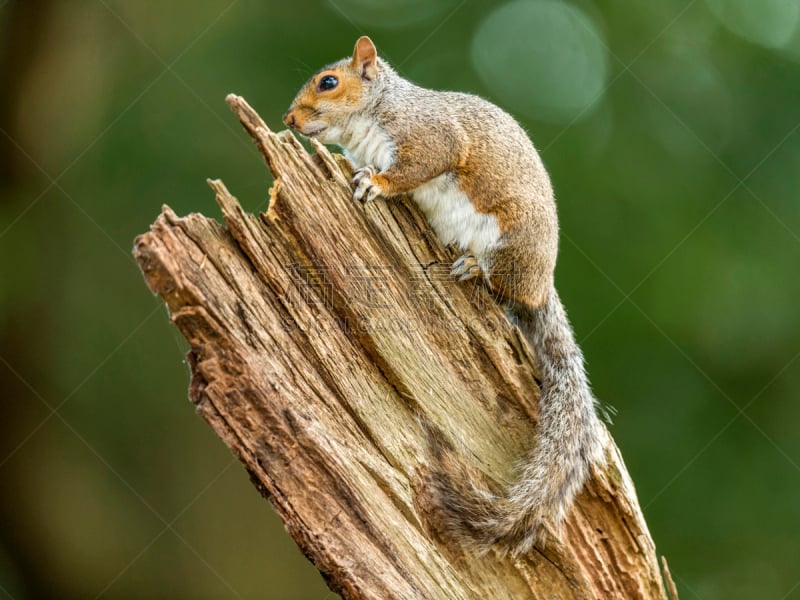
x=334 y=93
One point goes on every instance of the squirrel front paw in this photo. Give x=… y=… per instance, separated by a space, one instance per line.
x=366 y=189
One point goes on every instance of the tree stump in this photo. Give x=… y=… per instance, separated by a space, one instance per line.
x=331 y=351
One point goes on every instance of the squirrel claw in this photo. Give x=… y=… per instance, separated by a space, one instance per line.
x=365 y=191
x=466 y=267
x=363 y=172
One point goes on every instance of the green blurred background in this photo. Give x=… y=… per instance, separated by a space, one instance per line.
x=671 y=132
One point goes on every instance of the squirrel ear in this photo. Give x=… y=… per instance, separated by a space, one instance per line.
x=365 y=58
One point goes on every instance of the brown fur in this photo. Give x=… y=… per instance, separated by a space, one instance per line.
x=470 y=147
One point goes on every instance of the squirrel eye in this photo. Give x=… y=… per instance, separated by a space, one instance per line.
x=328 y=83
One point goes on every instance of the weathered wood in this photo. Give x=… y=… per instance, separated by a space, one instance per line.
x=329 y=347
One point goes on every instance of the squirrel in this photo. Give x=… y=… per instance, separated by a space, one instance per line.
x=477 y=178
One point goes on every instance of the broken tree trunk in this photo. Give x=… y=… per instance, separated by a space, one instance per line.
x=328 y=342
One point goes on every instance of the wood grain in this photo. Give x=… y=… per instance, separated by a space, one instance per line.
x=332 y=352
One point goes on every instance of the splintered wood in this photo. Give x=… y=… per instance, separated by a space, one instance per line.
x=330 y=349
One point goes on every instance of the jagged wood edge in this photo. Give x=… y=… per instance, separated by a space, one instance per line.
x=287 y=159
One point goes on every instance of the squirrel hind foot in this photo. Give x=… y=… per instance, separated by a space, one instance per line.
x=466 y=267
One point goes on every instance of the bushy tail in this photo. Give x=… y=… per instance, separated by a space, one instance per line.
x=568 y=443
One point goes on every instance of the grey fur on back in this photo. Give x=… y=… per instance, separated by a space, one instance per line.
x=476 y=175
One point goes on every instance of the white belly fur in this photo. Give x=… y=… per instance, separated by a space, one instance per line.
x=455 y=220
x=447 y=208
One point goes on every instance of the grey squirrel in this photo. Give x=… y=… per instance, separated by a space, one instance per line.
x=476 y=176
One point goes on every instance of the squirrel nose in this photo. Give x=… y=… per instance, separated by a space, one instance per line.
x=288 y=118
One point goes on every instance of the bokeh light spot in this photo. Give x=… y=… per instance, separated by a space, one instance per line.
x=544 y=58
x=768 y=23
